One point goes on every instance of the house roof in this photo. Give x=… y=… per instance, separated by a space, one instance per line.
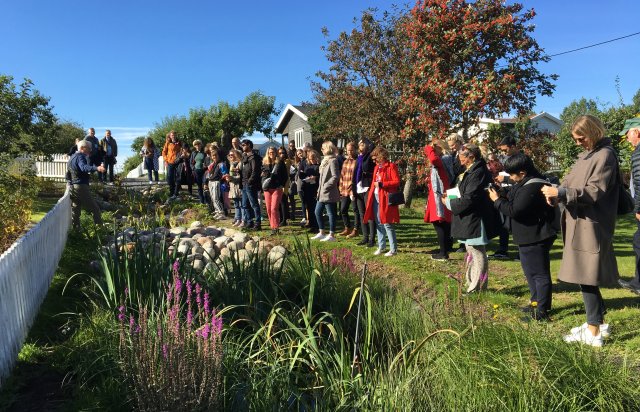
x=548 y=116
x=288 y=112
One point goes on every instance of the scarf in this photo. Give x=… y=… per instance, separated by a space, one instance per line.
x=326 y=160
x=438 y=189
x=358 y=171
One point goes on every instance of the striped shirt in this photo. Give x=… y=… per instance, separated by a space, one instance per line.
x=346 y=177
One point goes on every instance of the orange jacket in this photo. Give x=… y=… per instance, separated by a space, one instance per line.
x=171 y=152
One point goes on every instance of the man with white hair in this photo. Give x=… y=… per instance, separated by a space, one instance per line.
x=632 y=131
x=78 y=171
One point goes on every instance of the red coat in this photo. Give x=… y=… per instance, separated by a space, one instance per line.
x=430 y=213
x=390 y=183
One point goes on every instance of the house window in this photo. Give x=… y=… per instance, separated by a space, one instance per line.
x=299 y=137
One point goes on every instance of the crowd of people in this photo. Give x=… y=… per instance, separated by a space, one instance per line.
x=472 y=197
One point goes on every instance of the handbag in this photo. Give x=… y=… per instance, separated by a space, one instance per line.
x=396 y=198
x=625 y=201
x=265 y=183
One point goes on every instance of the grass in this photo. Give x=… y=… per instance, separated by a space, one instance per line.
x=42 y=206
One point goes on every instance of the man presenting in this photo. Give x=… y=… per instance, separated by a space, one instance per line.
x=78 y=170
x=94 y=156
x=632 y=131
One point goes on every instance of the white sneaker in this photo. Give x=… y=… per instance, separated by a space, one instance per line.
x=378 y=252
x=585 y=336
x=318 y=236
x=604 y=329
x=328 y=238
x=158 y=183
x=303 y=221
x=150 y=182
x=390 y=253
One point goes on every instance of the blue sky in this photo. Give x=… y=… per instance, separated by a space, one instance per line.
x=125 y=65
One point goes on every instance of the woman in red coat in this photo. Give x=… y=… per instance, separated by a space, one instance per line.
x=385 y=180
x=435 y=212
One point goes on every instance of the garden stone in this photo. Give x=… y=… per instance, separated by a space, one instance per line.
x=198 y=264
x=251 y=245
x=230 y=232
x=210 y=253
x=197 y=236
x=243 y=256
x=236 y=245
x=241 y=237
x=171 y=250
x=225 y=253
x=184 y=248
x=197 y=249
x=196 y=224
x=222 y=241
x=212 y=231
x=179 y=230
x=202 y=240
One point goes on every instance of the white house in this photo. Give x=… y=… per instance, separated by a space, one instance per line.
x=542 y=121
x=294 y=123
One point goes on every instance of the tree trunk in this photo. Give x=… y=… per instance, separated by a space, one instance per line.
x=409 y=188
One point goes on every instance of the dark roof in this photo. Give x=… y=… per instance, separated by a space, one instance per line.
x=306 y=109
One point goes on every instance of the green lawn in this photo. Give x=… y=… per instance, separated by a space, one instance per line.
x=41 y=206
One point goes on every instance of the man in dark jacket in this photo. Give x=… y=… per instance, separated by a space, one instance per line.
x=632 y=131
x=109 y=147
x=78 y=171
x=251 y=170
x=95 y=158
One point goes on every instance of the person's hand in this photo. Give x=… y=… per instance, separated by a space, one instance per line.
x=493 y=194
x=443 y=199
x=499 y=179
x=101 y=169
x=352 y=197
x=637 y=216
x=549 y=192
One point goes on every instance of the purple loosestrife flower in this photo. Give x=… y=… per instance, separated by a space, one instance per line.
x=189 y=290
x=132 y=322
x=165 y=351
x=168 y=295
x=216 y=325
x=204 y=332
x=206 y=303
x=126 y=292
x=177 y=285
x=121 y=315
x=176 y=267
x=189 y=319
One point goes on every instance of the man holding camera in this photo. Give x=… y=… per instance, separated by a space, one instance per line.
x=78 y=171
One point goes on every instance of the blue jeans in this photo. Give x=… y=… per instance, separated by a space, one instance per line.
x=330 y=207
x=389 y=231
x=199 y=175
x=250 y=205
x=239 y=212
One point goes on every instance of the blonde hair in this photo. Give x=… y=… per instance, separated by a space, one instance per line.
x=197 y=142
x=588 y=126
x=328 y=146
x=237 y=153
x=266 y=160
x=454 y=137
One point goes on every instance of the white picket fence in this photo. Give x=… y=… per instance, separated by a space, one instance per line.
x=26 y=270
x=141 y=172
x=53 y=169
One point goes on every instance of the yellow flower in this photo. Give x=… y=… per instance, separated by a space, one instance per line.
x=534 y=304
x=496 y=306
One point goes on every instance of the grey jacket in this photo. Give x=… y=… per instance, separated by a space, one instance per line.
x=635 y=177
x=328 y=191
x=590 y=194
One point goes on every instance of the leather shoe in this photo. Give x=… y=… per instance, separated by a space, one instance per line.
x=628 y=285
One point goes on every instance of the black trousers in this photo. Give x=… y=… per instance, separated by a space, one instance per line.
x=345 y=202
x=368 y=228
x=310 y=200
x=535 y=262
x=504 y=240
x=174 y=186
x=636 y=248
x=593 y=304
x=443 y=232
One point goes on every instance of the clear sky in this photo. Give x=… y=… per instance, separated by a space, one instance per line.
x=124 y=65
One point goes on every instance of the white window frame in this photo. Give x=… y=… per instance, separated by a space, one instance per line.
x=299 y=137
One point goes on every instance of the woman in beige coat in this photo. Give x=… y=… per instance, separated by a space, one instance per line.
x=589 y=193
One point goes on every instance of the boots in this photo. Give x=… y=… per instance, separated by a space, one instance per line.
x=345 y=232
x=353 y=233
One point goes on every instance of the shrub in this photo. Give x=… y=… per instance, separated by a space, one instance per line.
x=18 y=189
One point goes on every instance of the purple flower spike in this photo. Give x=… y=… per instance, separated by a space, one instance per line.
x=165 y=351
x=206 y=302
x=177 y=284
x=121 y=315
x=126 y=292
x=189 y=318
x=176 y=267
x=204 y=332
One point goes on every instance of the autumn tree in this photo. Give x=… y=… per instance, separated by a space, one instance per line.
x=360 y=95
x=471 y=59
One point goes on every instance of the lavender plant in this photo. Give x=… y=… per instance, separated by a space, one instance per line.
x=173 y=357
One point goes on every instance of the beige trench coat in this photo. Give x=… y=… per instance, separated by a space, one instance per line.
x=589 y=219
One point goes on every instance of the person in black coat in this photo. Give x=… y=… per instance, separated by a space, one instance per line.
x=362 y=178
x=531 y=221
x=474 y=220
